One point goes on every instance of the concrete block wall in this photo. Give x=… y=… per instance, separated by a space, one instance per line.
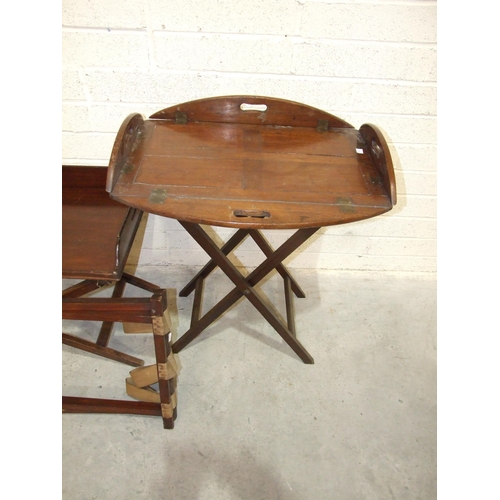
x=363 y=60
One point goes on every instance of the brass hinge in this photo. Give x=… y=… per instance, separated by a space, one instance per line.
x=322 y=126
x=127 y=168
x=158 y=196
x=346 y=205
x=180 y=118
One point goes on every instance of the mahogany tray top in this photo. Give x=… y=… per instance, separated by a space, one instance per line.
x=97 y=232
x=251 y=162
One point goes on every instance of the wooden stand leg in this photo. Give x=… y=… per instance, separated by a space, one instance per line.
x=161 y=332
x=105 y=352
x=282 y=270
x=245 y=287
x=290 y=310
x=197 y=301
x=107 y=326
x=138 y=310
x=100 y=346
x=226 y=249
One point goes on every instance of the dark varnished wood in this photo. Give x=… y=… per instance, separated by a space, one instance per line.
x=291 y=166
x=97 y=236
x=126 y=141
x=290 y=309
x=113 y=406
x=250 y=162
x=245 y=287
x=72 y=404
x=107 y=326
x=279 y=112
x=97 y=232
x=151 y=309
x=268 y=252
x=376 y=146
x=100 y=350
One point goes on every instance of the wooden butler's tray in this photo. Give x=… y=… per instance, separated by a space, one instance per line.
x=251 y=162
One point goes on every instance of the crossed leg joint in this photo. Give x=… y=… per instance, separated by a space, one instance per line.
x=245 y=286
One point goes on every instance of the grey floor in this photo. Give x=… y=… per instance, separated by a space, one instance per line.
x=254 y=422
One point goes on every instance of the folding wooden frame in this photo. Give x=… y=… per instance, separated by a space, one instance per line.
x=97 y=238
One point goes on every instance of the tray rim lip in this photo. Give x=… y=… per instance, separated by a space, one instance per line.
x=235 y=97
x=252 y=224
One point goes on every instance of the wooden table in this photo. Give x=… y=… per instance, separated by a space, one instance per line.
x=250 y=163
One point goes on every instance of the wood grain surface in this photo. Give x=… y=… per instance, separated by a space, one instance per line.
x=216 y=162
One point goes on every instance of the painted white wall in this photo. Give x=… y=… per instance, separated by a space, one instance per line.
x=362 y=60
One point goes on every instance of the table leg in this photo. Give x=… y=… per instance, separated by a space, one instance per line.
x=268 y=251
x=153 y=309
x=161 y=331
x=107 y=326
x=290 y=310
x=100 y=347
x=245 y=287
x=197 y=300
x=106 y=352
x=230 y=245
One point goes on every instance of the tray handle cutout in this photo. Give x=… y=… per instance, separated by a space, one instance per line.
x=254 y=214
x=253 y=107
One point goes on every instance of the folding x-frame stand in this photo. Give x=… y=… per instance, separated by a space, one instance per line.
x=245 y=286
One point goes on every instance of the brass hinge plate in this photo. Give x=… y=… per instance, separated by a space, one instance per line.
x=180 y=118
x=322 y=126
x=127 y=168
x=158 y=196
x=346 y=205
